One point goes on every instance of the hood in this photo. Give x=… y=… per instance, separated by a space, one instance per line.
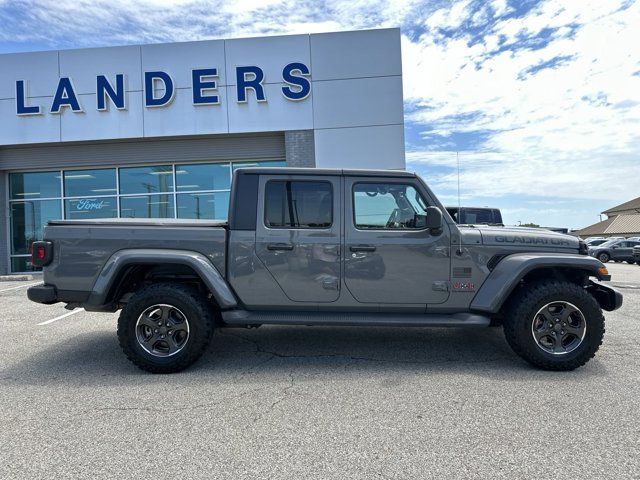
x=524 y=237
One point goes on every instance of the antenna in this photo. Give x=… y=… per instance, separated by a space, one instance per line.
x=458 y=162
x=459 y=249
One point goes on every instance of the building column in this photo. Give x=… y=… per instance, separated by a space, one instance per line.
x=300 y=150
x=4 y=225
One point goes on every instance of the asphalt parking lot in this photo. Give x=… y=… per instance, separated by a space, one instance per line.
x=284 y=402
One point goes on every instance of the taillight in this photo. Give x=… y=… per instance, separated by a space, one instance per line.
x=41 y=253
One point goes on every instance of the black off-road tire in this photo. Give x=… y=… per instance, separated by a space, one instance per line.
x=526 y=303
x=195 y=307
x=604 y=257
x=631 y=262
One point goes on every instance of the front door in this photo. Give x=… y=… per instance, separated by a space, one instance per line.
x=298 y=238
x=389 y=256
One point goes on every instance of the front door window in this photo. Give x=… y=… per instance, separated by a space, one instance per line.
x=388 y=207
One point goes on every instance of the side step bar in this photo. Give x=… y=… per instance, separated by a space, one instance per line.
x=246 y=317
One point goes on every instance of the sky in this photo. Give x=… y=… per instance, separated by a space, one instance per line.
x=539 y=100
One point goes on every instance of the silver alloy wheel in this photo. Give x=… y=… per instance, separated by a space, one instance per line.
x=559 y=328
x=162 y=330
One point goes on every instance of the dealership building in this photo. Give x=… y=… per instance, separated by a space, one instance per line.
x=155 y=131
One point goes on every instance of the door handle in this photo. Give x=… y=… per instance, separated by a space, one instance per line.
x=362 y=248
x=280 y=246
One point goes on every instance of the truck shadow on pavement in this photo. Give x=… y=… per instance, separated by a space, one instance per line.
x=269 y=352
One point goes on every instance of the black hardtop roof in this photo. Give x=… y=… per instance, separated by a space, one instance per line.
x=324 y=172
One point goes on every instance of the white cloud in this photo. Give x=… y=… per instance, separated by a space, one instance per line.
x=566 y=131
x=571 y=131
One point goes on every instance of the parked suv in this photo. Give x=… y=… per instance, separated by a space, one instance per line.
x=595 y=241
x=617 y=250
x=326 y=247
x=636 y=254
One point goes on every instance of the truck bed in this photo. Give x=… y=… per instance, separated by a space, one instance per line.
x=83 y=247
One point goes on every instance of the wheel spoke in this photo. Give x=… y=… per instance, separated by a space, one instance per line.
x=171 y=343
x=558 y=347
x=166 y=311
x=548 y=316
x=178 y=327
x=567 y=311
x=152 y=340
x=574 y=329
x=539 y=334
x=148 y=322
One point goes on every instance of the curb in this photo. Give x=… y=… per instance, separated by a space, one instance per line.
x=19 y=278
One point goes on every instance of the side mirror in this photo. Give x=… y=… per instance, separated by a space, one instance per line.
x=434 y=218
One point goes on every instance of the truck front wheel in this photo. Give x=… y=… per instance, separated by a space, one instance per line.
x=554 y=325
x=164 y=328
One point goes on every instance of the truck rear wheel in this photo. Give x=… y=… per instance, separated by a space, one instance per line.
x=164 y=328
x=554 y=325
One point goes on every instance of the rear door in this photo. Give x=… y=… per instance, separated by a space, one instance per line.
x=622 y=251
x=298 y=234
x=390 y=258
x=625 y=252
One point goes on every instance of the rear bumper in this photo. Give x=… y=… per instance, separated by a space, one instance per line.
x=42 y=294
x=608 y=298
x=49 y=294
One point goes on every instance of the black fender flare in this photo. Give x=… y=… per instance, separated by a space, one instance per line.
x=121 y=259
x=512 y=269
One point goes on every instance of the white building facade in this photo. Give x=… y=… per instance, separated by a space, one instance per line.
x=157 y=130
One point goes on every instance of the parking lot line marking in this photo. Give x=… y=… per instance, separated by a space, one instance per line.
x=72 y=312
x=20 y=286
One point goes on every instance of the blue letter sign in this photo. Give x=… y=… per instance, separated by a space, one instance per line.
x=255 y=83
x=303 y=85
x=21 y=101
x=199 y=85
x=104 y=90
x=150 y=99
x=65 y=97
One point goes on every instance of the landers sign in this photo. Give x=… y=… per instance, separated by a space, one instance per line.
x=160 y=89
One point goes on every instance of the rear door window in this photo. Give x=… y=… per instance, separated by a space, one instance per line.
x=298 y=204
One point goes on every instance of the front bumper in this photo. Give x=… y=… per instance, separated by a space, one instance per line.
x=608 y=298
x=42 y=294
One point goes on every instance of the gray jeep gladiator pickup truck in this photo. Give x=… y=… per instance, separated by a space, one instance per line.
x=326 y=247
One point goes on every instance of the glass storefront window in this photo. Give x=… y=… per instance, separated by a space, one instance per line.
x=27 y=186
x=23 y=264
x=147 y=206
x=201 y=192
x=213 y=206
x=85 y=183
x=27 y=221
x=157 y=179
x=89 y=208
x=212 y=176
